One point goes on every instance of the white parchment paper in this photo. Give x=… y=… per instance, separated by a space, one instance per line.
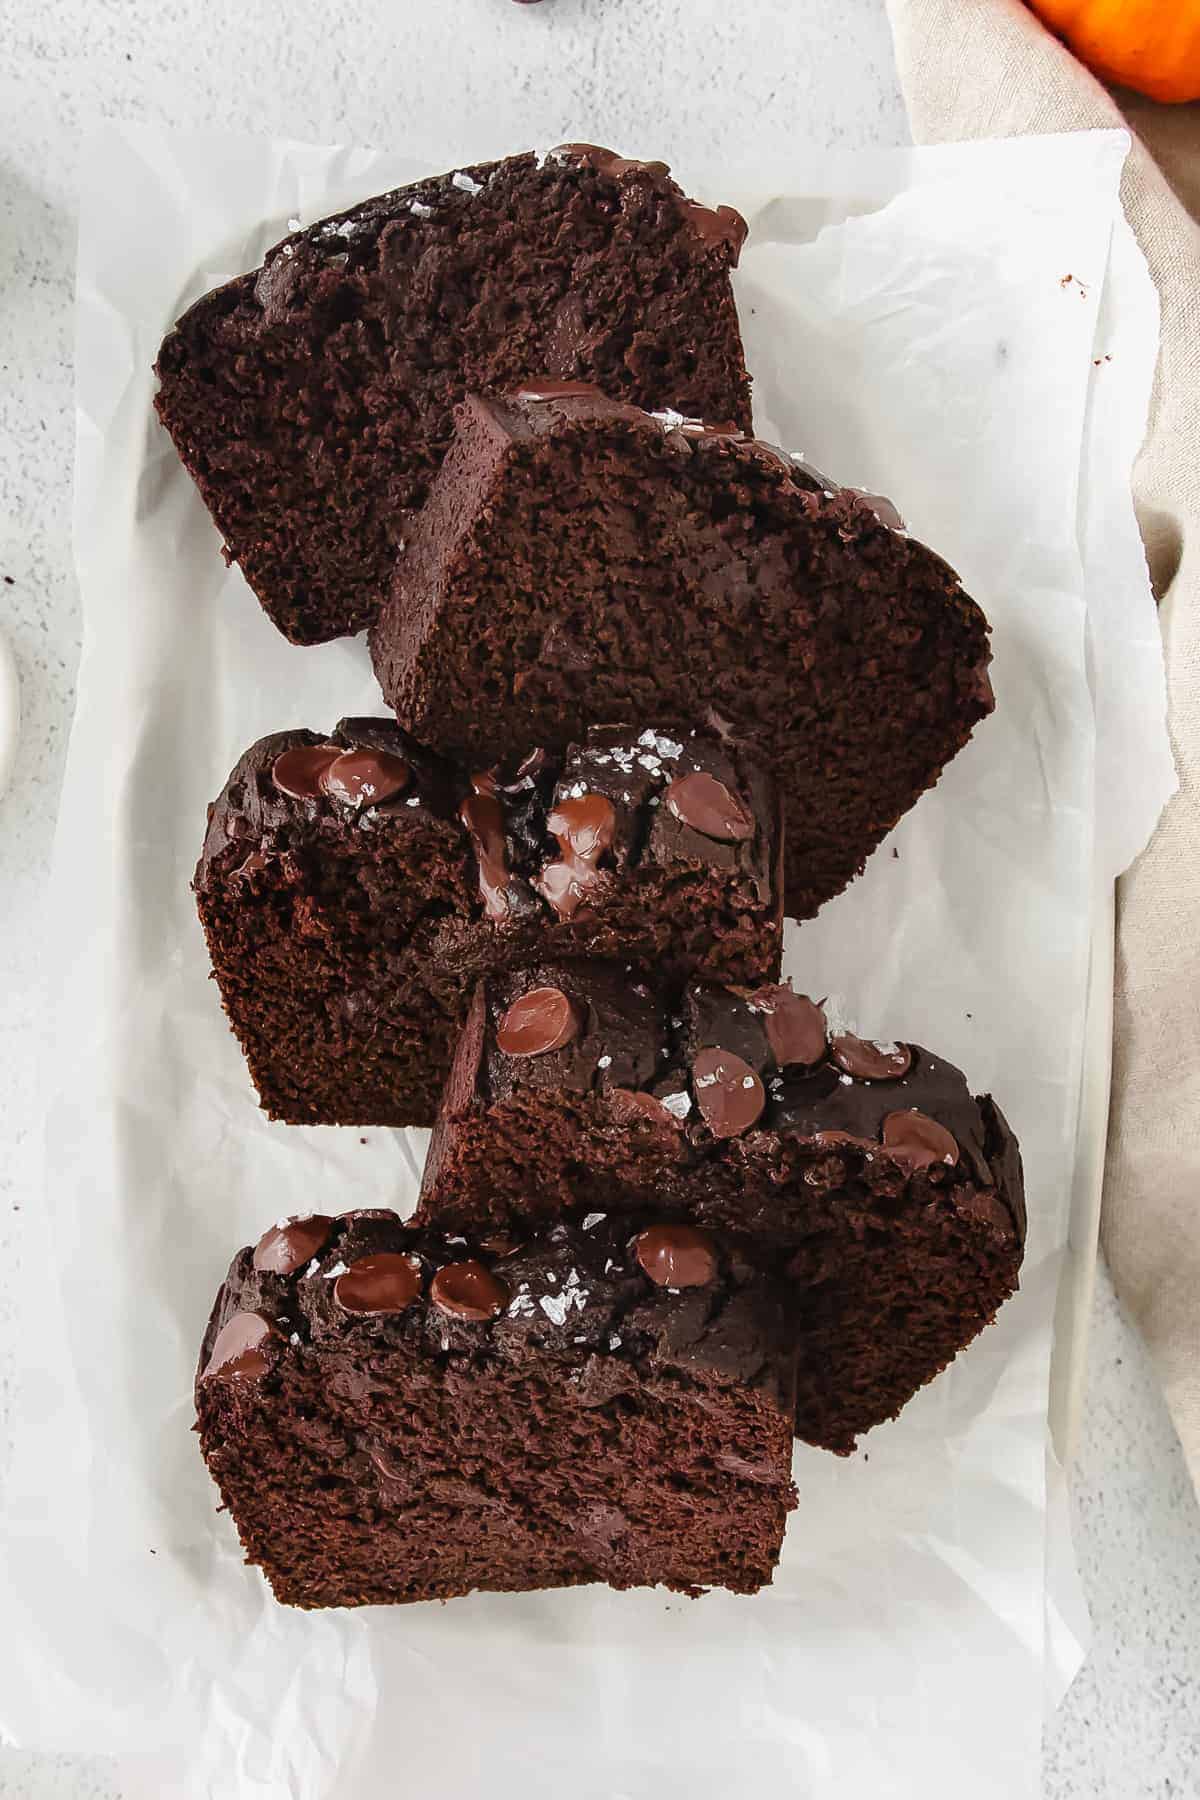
x=936 y=326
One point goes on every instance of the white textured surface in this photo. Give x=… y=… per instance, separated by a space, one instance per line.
x=676 y=78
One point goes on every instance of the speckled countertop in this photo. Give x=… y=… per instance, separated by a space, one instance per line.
x=683 y=79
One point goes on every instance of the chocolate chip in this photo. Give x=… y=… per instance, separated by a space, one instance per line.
x=831 y=1137
x=607 y=162
x=285 y=1248
x=676 y=1256
x=385 y=1283
x=255 y=864
x=794 y=1024
x=544 y=1019
x=630 y=1106
x=718 y=225
x=869 y=1061
x=240 y=1348
x=549 y=389
x=810 y=476
x=918 y=1141
x=468 y=1290
x=365 y=777
x=883 y=508
x=585 y=826
x=728 y=1092
x=706 y=804
x=483 y=816
x=297 y=772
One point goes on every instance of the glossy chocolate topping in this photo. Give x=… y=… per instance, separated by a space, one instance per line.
x=240 y=1348
x=607 y=162
x=385 y=1283
x=728 y=1092
x=794 y=1024
x=677 y=1256
x=869 y=1061
x=483 y=815
x=709 y=807
x=468 y=1290
x=547 y=387
x=585 y=826
x=365 y=777
x=718 y=225
x=541 y=1020
x=287 y=1246
x=918 y=1141
x=633 y=1106
x=298 y=772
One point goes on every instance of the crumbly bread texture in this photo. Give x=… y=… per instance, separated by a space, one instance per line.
x=311 y=399
x=891 y=1197
x=582 y=561
x=393 y=1417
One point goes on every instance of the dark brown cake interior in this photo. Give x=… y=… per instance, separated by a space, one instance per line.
x=582 y=562
x=599 y=1427
x=320 y=922
x=311 y=400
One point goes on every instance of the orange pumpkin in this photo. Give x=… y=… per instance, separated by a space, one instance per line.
x=1150 y=45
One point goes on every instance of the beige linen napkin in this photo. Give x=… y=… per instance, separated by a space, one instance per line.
x=987 y=68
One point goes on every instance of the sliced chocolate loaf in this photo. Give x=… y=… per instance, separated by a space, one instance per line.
x=892 y=1199
x=392 y=1417
x=582 y=561
x=311 y=399
x=353 y=888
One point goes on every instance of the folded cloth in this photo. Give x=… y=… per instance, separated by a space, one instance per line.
x=988 y=68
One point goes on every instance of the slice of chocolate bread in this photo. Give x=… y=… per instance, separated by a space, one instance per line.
x=311 y=399
x=581 y=561
x=393 y=1417
x=891 y=1197
x=328 y=866
x=353 y=888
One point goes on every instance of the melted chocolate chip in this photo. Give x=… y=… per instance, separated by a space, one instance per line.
x=254 y=865
x=632 y=1106
x=705 y=428
x=794 y=1024
x=365 y=777
x=728 y=1092
x=918 y=1141
x=483 y=816
x=830 y=1137
x=809 y=475
x=298 y=772
x=868 y=1061
x=718 y=225
x=607 y=162
x=884 y=510
x=385 y=1283
x=707 y=805
x=285 y=1248
x=544 y=1019
x=468 y=1290
x=240 y=1348
x=676 y=1256
x=585 y=826
x=550 y=389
